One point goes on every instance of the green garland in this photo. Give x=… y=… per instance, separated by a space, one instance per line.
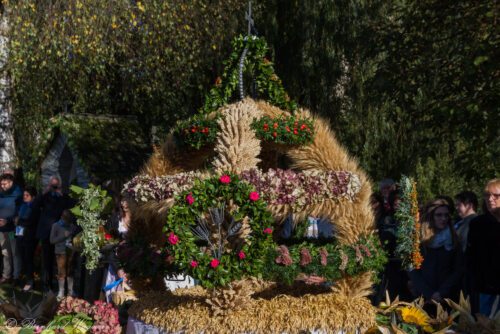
x=219 y=231
x=407 y=234
x=93 y=201
x=255 y=66
x=331 y=261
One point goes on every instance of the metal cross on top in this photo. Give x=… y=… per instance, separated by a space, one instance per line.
x=248 y=17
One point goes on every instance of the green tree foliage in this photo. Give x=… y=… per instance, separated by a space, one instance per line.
x=326 y=56
x=410 y=86
x=440 y=69
x=152 y=59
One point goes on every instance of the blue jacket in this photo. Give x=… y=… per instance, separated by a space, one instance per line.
x=28 y=218
x=10 y=201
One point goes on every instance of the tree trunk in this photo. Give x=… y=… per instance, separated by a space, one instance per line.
x=7 y=148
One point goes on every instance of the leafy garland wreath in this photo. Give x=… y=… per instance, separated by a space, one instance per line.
x=201 y=129
x=219 y=231
x=408 y=233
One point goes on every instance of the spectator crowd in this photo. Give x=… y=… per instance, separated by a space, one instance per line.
x=460 y=247
x=41 y=227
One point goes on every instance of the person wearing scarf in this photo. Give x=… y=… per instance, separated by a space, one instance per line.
x=441 y=272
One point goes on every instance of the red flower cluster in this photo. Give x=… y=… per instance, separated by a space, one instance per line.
x=268 y=230
x=284 y=130
x=204 y=130
x=296 y=129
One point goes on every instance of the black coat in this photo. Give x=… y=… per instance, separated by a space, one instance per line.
x=441 y=271
x=50 y=206
x=483 y=254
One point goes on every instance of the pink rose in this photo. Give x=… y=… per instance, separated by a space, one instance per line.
x=172 y=238
x=242 y=255
x=254 y=196
x=214 y=263
x=225 y=179
x=194 y=264
x=190 y=199
x=268 y=230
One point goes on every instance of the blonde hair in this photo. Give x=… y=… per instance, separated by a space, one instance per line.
x=492 y=183
x=428 y=228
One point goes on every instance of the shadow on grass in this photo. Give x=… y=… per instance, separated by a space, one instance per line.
x=7 y=292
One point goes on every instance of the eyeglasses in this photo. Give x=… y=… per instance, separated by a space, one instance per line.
x=489 y=195
x=441 y=215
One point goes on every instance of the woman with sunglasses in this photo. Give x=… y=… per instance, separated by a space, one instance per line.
x=443 y=267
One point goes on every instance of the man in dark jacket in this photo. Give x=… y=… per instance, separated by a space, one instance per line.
x=466 y=205
x=50 y=205
x=10 y=200
x=26 y=235
x=483 y=249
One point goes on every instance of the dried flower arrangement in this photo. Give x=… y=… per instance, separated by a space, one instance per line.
x=78 y=316
x=330 y=261
x=408 y=233
x=276 y=186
